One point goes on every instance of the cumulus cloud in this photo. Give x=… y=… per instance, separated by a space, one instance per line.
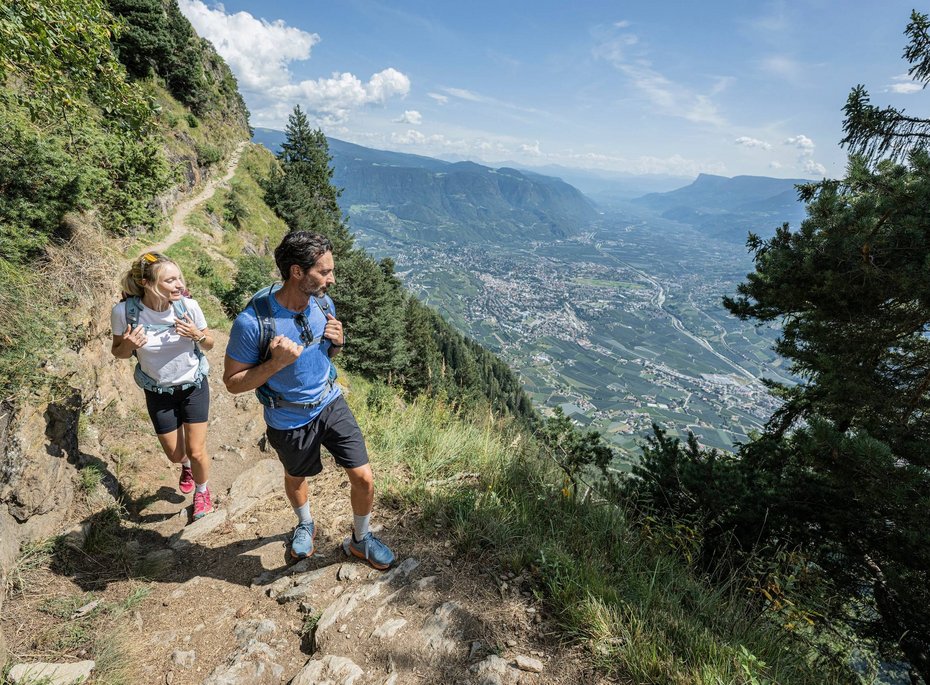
x=805 y=147
x=746 y=141
x=814 y=169
x=903 y=85
x=411 y=116
x=438 y=144
x=619 y=48
x=803 y=143
x=408 y=137
x=259 y=53
x=775 y=165
x=531 y=149
x=332 y=99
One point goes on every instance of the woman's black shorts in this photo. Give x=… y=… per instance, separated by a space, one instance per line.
x=171 y=409
x=335 y=429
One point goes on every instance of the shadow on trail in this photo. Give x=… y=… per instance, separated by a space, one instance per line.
x=115 y=544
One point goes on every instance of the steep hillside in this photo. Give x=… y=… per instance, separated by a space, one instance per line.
x=421 y=199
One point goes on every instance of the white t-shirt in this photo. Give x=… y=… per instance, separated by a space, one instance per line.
x=167 y=358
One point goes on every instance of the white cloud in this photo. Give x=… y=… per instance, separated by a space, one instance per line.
x=621 y=24
x=904 y=85
x=905 y=88
x=783 y=67
x=465 y=94
x=803 y=143
x=259 y=53
x=410 y=116
x=669 y=98
x=441 y=99
x=775 y=165
x=531 y=149
x=332 y=99
x=409 y=137
x=814 y=169
x=472 y=96
x=746 y=141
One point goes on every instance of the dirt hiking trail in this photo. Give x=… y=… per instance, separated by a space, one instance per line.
x=184 y=208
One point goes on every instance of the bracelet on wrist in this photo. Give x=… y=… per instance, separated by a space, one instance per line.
x=201 y=338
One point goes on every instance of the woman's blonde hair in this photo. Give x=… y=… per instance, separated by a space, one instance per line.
x=143 y=276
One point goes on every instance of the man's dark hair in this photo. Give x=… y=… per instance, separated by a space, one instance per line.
x=302 y=248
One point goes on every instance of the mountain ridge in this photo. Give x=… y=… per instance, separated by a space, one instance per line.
x=412 y=198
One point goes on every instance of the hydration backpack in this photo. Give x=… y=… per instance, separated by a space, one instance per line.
x=264 y=312
x=143 y=380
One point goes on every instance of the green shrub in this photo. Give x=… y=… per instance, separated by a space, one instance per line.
x=208 y=154
x=254 y=273
x=41 y=181
x=234 y=210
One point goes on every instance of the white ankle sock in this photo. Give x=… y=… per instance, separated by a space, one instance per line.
x=303 y=512
x=186 y=463
x=201 y=487
x=360 y=526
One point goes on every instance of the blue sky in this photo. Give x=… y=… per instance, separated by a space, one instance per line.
x=643 y=87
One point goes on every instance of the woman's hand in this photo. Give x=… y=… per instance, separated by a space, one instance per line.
x=134 y=338
x=186 y=328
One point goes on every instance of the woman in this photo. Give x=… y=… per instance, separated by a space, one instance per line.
x=167 y=333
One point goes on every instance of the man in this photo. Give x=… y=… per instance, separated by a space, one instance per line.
x=303 y=407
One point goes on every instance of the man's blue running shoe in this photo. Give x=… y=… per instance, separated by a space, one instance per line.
x=371 y=549
x=301 y=542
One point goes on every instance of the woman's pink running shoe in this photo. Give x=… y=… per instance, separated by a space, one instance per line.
x=186 y=482
x=203 y=505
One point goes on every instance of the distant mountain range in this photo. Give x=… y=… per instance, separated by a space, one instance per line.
x=421 y=199
x=417 y=199
x=729 y=208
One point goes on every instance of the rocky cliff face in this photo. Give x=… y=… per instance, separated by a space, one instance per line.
x=39 y=434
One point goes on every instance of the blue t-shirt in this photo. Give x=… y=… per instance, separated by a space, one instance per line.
x=306 y=380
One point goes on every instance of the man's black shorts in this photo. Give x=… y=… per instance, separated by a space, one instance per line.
x=169 y=410
x=334 y=428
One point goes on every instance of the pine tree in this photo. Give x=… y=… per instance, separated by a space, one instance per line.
x=877 y=132
x=301 y=190
x=371 y=302
x=842 y=471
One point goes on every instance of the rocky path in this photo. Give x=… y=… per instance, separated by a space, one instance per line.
x=229 y=610
x=223 y=608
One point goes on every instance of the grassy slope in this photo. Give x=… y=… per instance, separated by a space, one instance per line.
x=619 y=588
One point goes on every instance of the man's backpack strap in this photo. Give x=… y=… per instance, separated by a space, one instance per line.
x=264 y=312
x=325 y=304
